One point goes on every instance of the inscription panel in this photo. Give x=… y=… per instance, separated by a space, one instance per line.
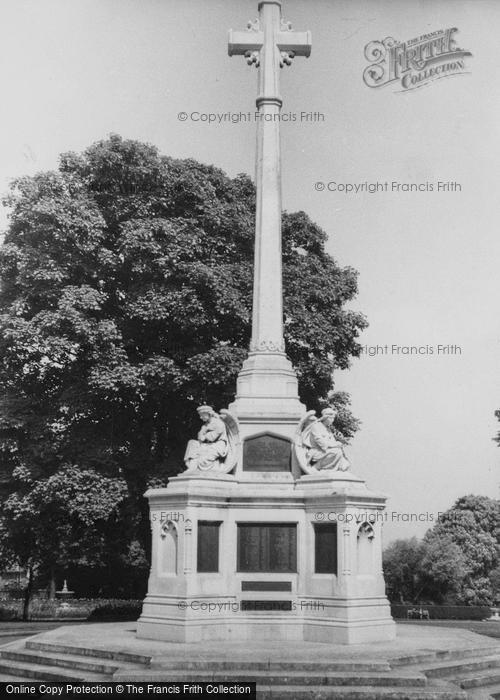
x=267 y=547
x=267 y=453
x=325 y=548
x=208 y=546
x=266 y=605
x=266 y=585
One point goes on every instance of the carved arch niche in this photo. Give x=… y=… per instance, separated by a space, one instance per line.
x=169 y=548
x=365 y=556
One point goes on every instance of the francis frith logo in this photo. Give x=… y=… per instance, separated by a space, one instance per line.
x=415 y=62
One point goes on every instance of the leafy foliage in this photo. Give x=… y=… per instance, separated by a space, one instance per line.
x=401 y=564
x=473 y=524
x=456 y=562
x=63 y=519
x=125 y=303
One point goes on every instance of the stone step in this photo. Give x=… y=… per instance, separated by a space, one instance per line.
x=35 y=672
x=459 y=669
x=20 y=633
x=483 y=679
x=322 y=692
x=63 y=661
x=319 y=667
x=290 y=678
x=23 y=630
x=88 y=651
x=449 y=654
x=484 y=693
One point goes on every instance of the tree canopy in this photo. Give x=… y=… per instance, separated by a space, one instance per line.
x=457 y=562
x=473 y=525
x=126 y=302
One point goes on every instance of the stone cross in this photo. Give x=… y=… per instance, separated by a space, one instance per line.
x=268 y=43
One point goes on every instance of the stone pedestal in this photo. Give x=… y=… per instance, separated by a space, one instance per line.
x=320 y=536
x=267 y=392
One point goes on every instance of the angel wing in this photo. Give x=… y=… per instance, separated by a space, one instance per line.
x=301 y=441
x=305 y=426
x=233 y=441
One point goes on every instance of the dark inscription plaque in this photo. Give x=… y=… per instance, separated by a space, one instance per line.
x=266 y=605
x=267 y=547
x=266 y=585
x=208 y=546
x=267 y=453
x=325 y=548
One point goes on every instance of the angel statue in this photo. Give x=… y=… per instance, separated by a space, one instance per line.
x=316 y=446
x=216 y=446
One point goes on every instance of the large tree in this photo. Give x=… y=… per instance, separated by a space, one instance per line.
x=61 y=521
x=126 y=302
x=473 y=525
x=401 y=563
x=457 y=561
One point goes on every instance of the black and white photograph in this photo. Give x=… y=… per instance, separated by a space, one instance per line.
x=250 y=349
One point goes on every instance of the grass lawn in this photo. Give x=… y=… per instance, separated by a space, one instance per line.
x=488 y=629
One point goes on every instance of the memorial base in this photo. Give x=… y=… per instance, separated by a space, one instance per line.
x=264 y=556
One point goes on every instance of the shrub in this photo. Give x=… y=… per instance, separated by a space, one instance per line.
x=116 y=610
x=444 y=612
x=92 y=610
x=10 y=610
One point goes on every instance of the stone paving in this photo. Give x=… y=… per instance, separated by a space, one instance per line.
x=411 y=640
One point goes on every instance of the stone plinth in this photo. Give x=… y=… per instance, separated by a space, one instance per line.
x=267 y=392
x=319 y=536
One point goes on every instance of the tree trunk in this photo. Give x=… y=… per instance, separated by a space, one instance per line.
x=27 y=595
x=52 y=584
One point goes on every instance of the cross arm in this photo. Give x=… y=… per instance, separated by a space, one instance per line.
x=297 y=42
x=239 y=42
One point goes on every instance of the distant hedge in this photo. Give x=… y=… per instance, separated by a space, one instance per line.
x=116 y=610
x=81 y=609
x=443 y=612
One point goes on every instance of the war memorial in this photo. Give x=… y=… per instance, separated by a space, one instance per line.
x=270 y=571
x=249 y=555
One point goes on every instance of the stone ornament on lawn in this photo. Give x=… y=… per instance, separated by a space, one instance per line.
x=316 y=446
x=216 y=445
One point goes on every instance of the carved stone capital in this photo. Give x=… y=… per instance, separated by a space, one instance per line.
x=166 y=527
x=253 y=25
x=253 y=58
x=267 y=346
x=286 y=58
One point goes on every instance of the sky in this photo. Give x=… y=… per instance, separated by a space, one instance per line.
x=74 y=72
